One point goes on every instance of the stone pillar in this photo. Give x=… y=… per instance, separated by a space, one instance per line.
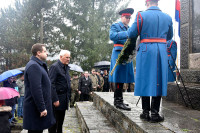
x=190 y=40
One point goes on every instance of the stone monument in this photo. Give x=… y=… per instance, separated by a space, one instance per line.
x=190 y=40
x=190 y=56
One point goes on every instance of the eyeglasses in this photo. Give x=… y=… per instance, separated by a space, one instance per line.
x=127 y=17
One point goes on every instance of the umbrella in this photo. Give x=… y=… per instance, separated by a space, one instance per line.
x=7 y=93
x=102 y=64
x=74 y=67
x=9 y=73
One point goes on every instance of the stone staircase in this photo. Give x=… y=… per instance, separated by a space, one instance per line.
x=102 y=117
x=92 y=120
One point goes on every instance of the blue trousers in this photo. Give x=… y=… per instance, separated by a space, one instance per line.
x=12 y=112
x=20 y=106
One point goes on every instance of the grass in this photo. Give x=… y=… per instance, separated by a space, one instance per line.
x=19 y=121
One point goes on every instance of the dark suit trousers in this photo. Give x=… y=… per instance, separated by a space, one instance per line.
x=84 y=97
x=59 y=115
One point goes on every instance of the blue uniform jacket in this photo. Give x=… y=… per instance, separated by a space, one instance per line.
x=123 y=73
x=151 y=59
x=172 y=53
x=37 y=96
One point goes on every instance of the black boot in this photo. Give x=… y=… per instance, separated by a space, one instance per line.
x=146 y=108
x=119 y=104
x=118 y=97
x=155 y=117
x=155 y=106
x=145 y=115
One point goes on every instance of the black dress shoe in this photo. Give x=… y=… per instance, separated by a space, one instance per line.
x=123 y=103
x=122 y=106
x=156 y=118
x=145 y=116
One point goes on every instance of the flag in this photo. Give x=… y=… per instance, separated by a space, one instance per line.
x=177 y=14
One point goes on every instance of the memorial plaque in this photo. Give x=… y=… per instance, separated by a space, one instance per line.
x=196 y=27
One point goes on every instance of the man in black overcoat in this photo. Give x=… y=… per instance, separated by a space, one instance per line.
x=37 y=108
x=60 y=80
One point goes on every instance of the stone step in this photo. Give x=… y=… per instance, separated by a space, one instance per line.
x=177 y=118
x=192 y=91
x=16 y=131
x=92 y=120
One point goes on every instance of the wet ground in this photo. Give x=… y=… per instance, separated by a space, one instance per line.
x=70 y=123
x=178 y=118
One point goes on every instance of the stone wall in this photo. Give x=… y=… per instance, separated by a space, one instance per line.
x=190 y=37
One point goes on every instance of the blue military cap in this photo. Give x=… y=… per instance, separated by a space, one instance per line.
x=126 y=12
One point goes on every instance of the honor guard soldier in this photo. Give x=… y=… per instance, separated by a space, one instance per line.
x=172 y=52
x=154 y=28
x=124 y=73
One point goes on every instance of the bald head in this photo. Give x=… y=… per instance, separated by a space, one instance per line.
x=150 y=3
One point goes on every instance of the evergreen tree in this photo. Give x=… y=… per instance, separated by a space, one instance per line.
x=19 y=30
x=81 y=26
x=84 y=26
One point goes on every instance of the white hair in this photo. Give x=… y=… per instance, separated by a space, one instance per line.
x=63 y=52
x=86 y=72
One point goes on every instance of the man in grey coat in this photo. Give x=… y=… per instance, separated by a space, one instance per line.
x=37 y=109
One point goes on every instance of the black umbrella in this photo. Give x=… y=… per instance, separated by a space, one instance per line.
x=75 y=67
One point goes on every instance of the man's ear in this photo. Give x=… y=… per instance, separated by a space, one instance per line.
x=38 y=52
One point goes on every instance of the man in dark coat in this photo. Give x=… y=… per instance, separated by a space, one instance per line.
x=38 y=112
x=60 y=80
x=106 y=86
x=85 y=87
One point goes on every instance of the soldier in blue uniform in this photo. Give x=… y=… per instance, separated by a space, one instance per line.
x=123 y=73
x=154 y=28
x=172 y=52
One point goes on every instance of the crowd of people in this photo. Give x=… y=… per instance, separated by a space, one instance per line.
x=18 y=85
x=45 y=95
x=39 y=87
